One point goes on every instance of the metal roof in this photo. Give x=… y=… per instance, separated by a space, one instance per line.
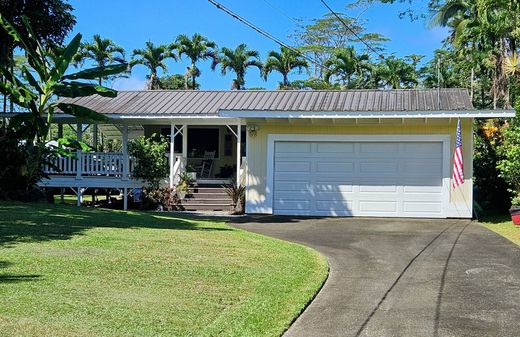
x=202 y=103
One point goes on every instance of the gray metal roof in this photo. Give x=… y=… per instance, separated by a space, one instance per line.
x=188 y=102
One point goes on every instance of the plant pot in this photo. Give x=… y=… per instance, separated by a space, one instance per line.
x=515 y=214
x=192 y=175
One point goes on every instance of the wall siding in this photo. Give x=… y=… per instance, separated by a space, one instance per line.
x=460 y=199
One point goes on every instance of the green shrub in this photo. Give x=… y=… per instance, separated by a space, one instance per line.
x=151 y=163
x=509 y=165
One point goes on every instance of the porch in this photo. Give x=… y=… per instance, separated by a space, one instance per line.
x=114 y=169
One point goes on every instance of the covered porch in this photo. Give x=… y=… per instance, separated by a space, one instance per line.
x=212 y=149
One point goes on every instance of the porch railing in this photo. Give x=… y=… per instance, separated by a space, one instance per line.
x=178 y=168
x=90 y=164
x=243 y=171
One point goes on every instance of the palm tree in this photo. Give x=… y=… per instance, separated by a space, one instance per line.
x=238 y=61
x=283 y=62
x=345 y=64
x=153 y=57
x=197 y=48
x=396 y=73
x=102 y=51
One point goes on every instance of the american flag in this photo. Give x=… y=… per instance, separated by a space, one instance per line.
x=458 y=162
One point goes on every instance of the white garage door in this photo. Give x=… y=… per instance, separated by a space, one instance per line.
x=397 y=179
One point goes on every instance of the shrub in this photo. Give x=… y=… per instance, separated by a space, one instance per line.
x=151 y=163
x=161 y=199
x=237 y=193
x=509 y=165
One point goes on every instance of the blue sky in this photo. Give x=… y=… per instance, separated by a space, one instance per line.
x=130 y=23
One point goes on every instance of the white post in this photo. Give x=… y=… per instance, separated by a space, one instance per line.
x=126 y=159
x=95 y=137
x=239 y=154
x=125 y=198
x=79 y=162
x=172 y=153
x=185 y=141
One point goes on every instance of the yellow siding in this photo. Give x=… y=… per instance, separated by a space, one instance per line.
x=257 y=147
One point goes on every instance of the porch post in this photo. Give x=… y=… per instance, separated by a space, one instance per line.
x=172 y=152
x=239 y=154
x=185 y=141
x=95 y=137
x=79 y=162
x=60 y=130
x=126 y=159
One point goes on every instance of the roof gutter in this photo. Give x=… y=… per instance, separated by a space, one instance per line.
x=368 y=114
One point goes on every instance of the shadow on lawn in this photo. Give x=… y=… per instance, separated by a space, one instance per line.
x=12 y=278
x=33 y=222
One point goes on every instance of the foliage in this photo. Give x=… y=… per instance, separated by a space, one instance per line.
x=323 y=36
x=153 y=57
x=395 y=73
x=41 y=81
x=146 y=274
x=102 y=51
x=196 y=48
x=509 y=164
x=163 y=199
x=312 y=84
x=151 y=163
x=51 y=21
x=185 y=180
x=348 y=68
x=177 y=82
x=238 y=61
x=283 y=62
x=237 y=193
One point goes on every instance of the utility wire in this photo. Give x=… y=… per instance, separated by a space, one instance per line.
x=351 y=30
x=264 y=33
x=281 y=11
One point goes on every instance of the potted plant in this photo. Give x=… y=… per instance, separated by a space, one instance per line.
x=190 y=170
x=515 y=210
x=183 y=186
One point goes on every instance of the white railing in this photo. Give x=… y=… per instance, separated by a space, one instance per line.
x=90 y=164
x=243 y=171
x=178 y=168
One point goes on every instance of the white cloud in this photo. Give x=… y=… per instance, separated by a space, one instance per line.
x=130 y=83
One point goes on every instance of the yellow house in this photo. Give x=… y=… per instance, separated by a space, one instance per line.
x=325 y=153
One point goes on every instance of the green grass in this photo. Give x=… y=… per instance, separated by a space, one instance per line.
x=68 y=271
x=502 y=224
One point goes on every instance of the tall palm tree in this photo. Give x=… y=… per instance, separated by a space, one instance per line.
x=396 y=73
x=196 y=48
x=238 y=60
x=345 y=64
x=283 y=62
x=153 y=57
x=102 y=51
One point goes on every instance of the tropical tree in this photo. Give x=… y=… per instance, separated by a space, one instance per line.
x=196 y=48
x=153 y=57
x=283 y=62
x=238 y=61
x=395 y=73
x=345 y=64
x=51 y=20
x=102 y=52
x=177 y=82
x=42 y=81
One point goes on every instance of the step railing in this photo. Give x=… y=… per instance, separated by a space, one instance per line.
x=243 y=171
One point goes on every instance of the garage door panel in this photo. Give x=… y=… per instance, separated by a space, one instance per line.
x=335 y=167
x=341 y=205
x=328 y=148
x=375 y=206
x=359 y=178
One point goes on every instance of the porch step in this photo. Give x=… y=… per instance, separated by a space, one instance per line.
x=206 y=207
x=216 y=195
x=206 y=190
x=206 y=201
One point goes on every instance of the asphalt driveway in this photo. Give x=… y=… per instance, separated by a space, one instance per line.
x=404 y=277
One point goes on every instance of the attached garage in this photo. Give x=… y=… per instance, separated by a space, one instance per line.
x=392 y=177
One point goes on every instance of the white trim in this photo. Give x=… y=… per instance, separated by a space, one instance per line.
x=368 y=114
x=267 y=205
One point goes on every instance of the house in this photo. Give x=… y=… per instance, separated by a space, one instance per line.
x=327 y=153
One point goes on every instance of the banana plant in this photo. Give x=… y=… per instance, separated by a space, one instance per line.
x=44 y=80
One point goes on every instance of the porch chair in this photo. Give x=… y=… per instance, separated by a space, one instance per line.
x=206 y=165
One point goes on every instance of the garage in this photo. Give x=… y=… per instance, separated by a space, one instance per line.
x=373 y=177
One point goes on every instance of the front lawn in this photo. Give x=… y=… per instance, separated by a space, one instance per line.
x=503 y=225
x=68 y=271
